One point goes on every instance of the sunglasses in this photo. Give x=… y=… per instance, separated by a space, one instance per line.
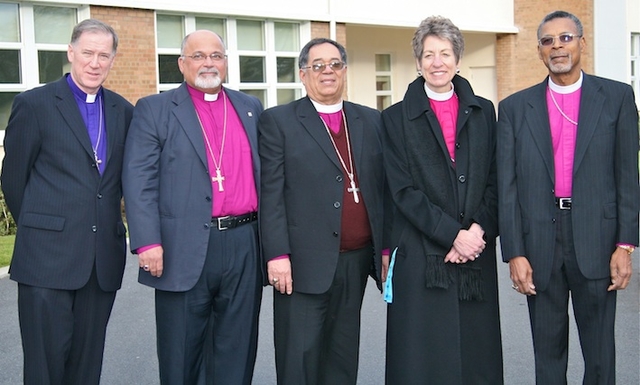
x=565 y=38
x=319 y=67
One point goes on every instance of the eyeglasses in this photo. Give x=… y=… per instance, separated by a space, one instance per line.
x=319 y=67
x=565 y=38
x=198 y=56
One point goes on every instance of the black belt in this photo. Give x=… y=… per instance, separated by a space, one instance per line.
x=563 y=203
x=230 y=221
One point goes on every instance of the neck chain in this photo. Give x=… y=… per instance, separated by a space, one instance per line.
x=560 y=110
x=218 y=164
x=95 y=149
x=352 y=183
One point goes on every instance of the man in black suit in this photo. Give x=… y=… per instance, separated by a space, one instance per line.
x=191 y=194
x=568 y=201
x=61 y=177
x=321 y=219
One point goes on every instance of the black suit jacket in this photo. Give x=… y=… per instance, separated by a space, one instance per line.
x=167 y=188
x=605 y=177
x=302 y=188
x=68 y=215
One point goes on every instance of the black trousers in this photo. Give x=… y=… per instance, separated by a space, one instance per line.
x=63 y=333
x=317 y=336
x=594 y=309
x=223 y=306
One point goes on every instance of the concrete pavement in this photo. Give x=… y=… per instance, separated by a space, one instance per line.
x=130 y=357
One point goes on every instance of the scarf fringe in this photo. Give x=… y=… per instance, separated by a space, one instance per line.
x=470 y=284
x=437 y=274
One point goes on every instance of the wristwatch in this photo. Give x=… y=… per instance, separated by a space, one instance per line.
x=628 y=249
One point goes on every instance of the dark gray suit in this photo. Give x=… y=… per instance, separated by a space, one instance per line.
x=70 y=228
x=604 y=212
x=168 y=201
x=302 y=192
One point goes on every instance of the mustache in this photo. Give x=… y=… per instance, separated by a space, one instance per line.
x=209 y=71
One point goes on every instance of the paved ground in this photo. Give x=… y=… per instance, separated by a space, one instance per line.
x=130 y=352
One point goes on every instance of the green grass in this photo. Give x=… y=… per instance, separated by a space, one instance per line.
x=6 y=248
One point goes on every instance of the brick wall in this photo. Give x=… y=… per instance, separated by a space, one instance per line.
x=517 y=62
x=134 y=72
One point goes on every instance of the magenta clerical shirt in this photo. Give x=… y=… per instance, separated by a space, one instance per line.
x=445 y=106
x=562 y=120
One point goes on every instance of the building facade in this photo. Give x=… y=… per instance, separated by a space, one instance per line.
x=264 y=38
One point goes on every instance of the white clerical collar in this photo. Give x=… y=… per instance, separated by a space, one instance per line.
x=441 y=97
x=327 y=108
x=566 y=89
x=211 y=97
x=91 y=98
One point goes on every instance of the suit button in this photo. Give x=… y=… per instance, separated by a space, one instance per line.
x=208 y=199
x=553 y=220
x=461 y=215
x=335 y=233
x=206 y=225
x=99 y=196
x=94 y=228
x=339 y=178
x=462 y=179
x=336 y=205
x=458 y=145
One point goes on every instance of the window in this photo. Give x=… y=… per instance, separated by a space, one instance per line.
x=635 y=65
x=33 y=48
x=262 y=54
x=383 y=81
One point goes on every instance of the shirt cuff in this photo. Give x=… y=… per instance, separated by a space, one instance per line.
x=280 y=257
x=148 y=247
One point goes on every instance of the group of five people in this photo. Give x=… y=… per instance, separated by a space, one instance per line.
x=314 y=196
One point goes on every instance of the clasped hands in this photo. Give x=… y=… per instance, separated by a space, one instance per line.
x=467 y=246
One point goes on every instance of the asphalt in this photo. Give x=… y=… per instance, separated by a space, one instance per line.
x=130 y=357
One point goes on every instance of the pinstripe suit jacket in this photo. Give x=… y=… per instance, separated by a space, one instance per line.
x=605 y=177
x=68 y=215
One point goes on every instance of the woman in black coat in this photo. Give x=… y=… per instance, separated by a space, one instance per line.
x=443 y=324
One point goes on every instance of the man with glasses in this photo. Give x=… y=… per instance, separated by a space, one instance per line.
x=568 y=201
x=61 y=177
x=321 y=219
x=191 y=182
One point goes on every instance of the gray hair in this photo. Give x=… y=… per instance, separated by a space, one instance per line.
x=442 y=28
x=561 y=15
x=303 y=59
x=94 y=26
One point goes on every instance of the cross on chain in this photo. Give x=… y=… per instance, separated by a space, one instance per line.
x=353 y=189
x=218 y=178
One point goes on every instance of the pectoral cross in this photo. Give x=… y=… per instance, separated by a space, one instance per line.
x=353 y=189
x=218 y=178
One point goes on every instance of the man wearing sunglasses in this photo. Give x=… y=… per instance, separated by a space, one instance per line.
x=321 y=219
x=569 y=199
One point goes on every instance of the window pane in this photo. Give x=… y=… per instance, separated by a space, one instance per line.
x=260 y=94
x=383 y=83
x=10 y=66
x=287 y=71
x=170 y=31
x=383 y=62
x=215 y=25
x=54 y=24
x=286 y=96
x=250 y=35
x=10 y=31
x=287 y=37
x=383 y=102
x=6 y=100
x=52 y=65
x=168 y=69
x=252 y=69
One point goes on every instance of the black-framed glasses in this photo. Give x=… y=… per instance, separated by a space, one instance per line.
x=319 y=67
x=199 y=56
x=565 y=38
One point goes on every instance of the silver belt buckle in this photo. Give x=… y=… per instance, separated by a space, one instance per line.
x=564 y=203
x=220 y=219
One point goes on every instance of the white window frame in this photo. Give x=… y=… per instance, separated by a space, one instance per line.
x=635 y=64
x=389 y=73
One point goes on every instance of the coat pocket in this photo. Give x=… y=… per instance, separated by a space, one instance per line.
x=42 y=221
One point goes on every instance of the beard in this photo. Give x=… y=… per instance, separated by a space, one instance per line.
x=208 y=82
x=561 y=68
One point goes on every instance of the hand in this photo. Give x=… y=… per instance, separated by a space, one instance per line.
x=469 y=243
x=279 y=273
x=621 y=269
x=454 y=257
x=522 y=275
x=385 y=267
x=151 y=261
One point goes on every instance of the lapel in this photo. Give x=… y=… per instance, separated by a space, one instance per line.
x=248 y=118
x=185 y=113
x=591 y=102
x=311 y=121
x=68 y=107
x=537 y=118
x=356 y=134
x=112 y=120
